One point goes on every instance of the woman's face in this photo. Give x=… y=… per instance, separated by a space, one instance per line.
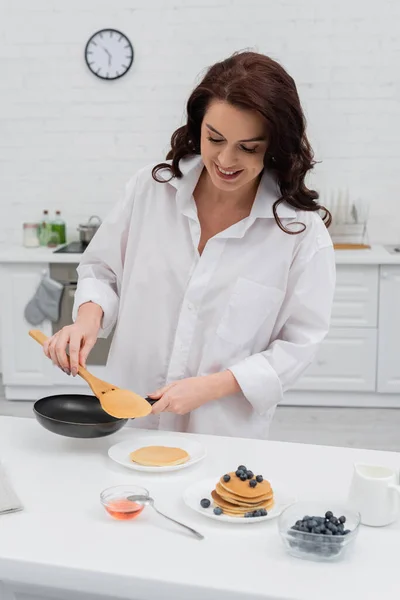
x=233 y=145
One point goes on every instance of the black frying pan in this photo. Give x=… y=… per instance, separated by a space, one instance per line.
x=76 y=415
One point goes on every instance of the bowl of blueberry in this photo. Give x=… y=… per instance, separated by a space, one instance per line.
x=313 y=531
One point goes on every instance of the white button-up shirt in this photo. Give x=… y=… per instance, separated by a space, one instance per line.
x=257 y=301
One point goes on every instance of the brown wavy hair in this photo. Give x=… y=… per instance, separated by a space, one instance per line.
x=253 y=81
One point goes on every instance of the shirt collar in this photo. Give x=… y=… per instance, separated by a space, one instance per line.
x=267 y=192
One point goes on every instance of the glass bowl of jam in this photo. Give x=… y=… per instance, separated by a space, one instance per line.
x=117 y=503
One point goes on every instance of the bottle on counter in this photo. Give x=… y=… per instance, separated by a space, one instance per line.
x=31 y=235
x=58 y=226
x=44 y=229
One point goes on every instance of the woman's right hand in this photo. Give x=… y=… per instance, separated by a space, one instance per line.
x=81 y=336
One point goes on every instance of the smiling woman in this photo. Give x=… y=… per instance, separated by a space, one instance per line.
x=217 y=310
x=248 y=104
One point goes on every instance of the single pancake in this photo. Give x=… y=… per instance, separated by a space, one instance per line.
x=159 y=456
x=243 y=489
x=238 y=509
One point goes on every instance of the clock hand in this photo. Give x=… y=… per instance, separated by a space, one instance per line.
x=108 y=54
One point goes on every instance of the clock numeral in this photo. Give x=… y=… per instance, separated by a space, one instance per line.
x=127 y=46
x=93 y=43
x=121 y=37
x=111 y=34
x=101 y=34
x=124 y=66
x=89 y=52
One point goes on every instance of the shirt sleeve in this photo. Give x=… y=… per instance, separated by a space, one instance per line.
x=101 y=266
x=305 y=317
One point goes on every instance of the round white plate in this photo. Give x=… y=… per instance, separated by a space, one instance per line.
x=120 y=452
x=202 y=489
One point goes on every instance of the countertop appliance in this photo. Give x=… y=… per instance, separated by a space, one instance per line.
x=67 y=275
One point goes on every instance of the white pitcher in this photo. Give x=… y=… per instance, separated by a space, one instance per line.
x=375 y=494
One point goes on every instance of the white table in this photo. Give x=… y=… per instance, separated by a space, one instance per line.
x=64 y=546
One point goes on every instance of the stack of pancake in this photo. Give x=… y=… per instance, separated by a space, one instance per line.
x=237 y=498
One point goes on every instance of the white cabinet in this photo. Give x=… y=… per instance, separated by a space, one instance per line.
x=346 y=361
x=389 y=330
x=356 y=296
x=22 y=364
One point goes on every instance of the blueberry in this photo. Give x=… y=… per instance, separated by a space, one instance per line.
x=334 y=520
x=328 y=532
x=319 y=519
x=242 y=468
x=306 y=518
x=334 y=529
x=250 y=474
x=227 y=478
x=257 y=513
x=342 y=519
x=243 y=477
x=239 y=472
x=259 y=478
x=298 y=523
x=328 y=514
x=263 y=512
x=346 y=531
x=322 y=528
x=312 y=523
x=252 y=483
x=248 y=514
x=205 y=503
x=317 y=530
x=217 y=510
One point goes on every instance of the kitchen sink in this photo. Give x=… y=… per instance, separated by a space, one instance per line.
x=393 y=249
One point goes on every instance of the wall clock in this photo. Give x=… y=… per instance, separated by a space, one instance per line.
x=109 y=54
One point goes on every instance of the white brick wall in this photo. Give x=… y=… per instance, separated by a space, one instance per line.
x=70 y=141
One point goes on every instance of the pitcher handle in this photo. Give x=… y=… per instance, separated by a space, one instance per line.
x=395 y=487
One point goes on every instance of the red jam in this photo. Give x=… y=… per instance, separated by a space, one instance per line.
x=123 y=509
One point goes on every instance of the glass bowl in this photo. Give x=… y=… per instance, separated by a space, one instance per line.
x=303 y=543
x=116 y=501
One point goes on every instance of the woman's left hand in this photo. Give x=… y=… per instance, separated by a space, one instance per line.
x=185 y=395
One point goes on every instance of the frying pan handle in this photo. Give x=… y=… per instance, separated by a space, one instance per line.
x=151 y=401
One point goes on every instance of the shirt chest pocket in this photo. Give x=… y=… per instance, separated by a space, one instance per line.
x=250 y=304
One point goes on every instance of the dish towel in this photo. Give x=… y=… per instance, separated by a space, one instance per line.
x=9 y=501
x=45 y=304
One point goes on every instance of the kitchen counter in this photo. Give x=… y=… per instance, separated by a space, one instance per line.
x=41 y=255
x=376 y=255
x=63 y=545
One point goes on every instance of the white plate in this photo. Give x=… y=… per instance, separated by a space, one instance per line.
x=120 y=452
x=202 y=489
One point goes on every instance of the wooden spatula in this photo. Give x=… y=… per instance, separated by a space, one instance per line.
x=119 y=403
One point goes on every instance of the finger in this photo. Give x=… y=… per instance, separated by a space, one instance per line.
x=74 y=349
x=52 y=349
x=160 y=406
x=87 y=346
x=60 y=350
x=46 y=347
x=160 y=392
